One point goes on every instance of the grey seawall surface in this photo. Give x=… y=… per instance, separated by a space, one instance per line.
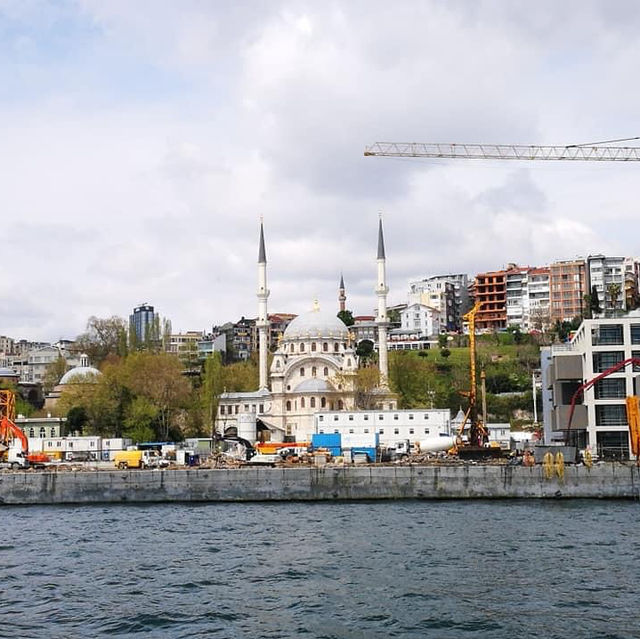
x=608 y=481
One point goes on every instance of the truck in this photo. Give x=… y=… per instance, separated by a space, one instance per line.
x=136 y=459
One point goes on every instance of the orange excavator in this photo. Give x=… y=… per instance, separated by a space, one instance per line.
x=14 y=445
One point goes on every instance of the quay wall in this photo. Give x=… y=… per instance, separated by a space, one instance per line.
x=607 y=481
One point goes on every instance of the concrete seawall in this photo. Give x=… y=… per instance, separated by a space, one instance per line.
x=608 y=481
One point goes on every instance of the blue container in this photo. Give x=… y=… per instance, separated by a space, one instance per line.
x=370 y=452
x=326 y=440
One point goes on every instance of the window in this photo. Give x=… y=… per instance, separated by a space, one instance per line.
x=43 y=433
x=246 y=408
x=313 y=371
x=321 y=431
x=381 y=431
x=411 y=431
x=52 y=432
x=610 y=388
x=313 y=346
x=70 y=444
x=426 y=431
x=325 y=347
x=366 y=418
x=351 y=431
x=366 y=430
x=325 y=371
x=222 y=410
x=237 y=407
x=340 y=404
x=31 y=432
x=335 y=418
x=396 y=431
x=261 y=408
x=302 y=402
x=302 y=348
x=302 y=372
x=380 y=417
x=323 y=402
x=312 y=402
x=288 y=404
x=321 y=418
x=350 y=418
x=635 y=333
x=395 y=417
x=608 y=334
x=410 y=416
x=612 y=415
x=335 y=347
x=606 y=359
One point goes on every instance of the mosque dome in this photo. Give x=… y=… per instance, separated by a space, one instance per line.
x=316 y=323
x=76 y=374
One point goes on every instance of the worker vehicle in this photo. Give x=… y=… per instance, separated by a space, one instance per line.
x=136 y=459
x=14 y=445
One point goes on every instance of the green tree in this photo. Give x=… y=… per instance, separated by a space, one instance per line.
x=213 y=383
x=445 y=352
x=102 y=338
x=141 y=420
x=614 y=294
x=77 y=419
x=365 y=350
x=596 y=309
x=347 y=317
x=442 y=340
x=53 y=373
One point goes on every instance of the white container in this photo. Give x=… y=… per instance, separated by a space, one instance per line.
x=246 y=425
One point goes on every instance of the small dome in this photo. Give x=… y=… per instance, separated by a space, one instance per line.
x=315 y=385
x=316 y=323
x=76 y=374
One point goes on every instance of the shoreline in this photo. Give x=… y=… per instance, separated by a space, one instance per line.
x=611 y=480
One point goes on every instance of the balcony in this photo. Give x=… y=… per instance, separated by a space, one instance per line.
x=561 y=417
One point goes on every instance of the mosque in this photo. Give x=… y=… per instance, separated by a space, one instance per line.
x=313 y=369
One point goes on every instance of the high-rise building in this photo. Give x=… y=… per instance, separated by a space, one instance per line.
x=490 y=289
x=606 y=275
x=142 y=321
x=568 y=285
x=448 y=294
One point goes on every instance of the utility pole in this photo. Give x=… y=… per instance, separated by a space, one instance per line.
x=483 y=378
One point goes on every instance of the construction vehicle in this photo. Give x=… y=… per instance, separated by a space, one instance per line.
x=136 y=459
x=14 y=445
x=632 y=405
x=475 y=445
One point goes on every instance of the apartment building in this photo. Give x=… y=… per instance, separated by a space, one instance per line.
x=491 y=289
x=448 y=294
x=421 y=319
x=600 y=420
x=568 y=286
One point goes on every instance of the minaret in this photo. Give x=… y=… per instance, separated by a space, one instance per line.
x=342 y=296
x=381 y=320
x=262 y=322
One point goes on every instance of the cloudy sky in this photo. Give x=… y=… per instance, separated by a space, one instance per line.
x=142 y=141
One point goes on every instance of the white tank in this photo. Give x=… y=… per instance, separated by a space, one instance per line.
x=436 y=444
x=247 y=427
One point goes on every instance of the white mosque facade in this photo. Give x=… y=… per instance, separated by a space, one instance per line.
x=313 y=369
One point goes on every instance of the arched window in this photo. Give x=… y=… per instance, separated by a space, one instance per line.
x=312 y=402
x=325 y=347
x=336 y=346
x=53 y=432
x=31 y=432
x=313 y=346
x=302 y=372
x=302 y=348
x=288 y=405
x=323 y=402
x=302 y=402
x=313 y=371
x=43 y=432
x=326 y=371
x=340 y=404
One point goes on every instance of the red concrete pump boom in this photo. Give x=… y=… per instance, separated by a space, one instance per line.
x=591 y=382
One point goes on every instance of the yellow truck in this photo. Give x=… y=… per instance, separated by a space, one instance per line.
x=136 y=459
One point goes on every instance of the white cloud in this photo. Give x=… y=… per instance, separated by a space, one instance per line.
x=139 y=153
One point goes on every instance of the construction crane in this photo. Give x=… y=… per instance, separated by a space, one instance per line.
x=590 y=152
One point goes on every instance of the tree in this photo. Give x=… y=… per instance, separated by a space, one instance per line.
x=588 y=314
x=157 y=377
x=596 y=309
x=614 y=294
x=103 y=337
x=364 y=350
x=442 y=340
x=140 y=420
x=393 y=315
x=53 y=373
x=211 y=389
x=77 y=419
x=347 y=317
x=445 y=352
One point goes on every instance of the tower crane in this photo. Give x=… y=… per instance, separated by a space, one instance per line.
x=590 y=152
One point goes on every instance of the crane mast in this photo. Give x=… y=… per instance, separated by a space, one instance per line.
x=572 y=152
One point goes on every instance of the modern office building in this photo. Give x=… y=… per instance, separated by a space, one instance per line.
x=142 y=321
x=599 y=420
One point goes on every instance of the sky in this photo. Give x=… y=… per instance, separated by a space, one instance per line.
x=142 y=142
